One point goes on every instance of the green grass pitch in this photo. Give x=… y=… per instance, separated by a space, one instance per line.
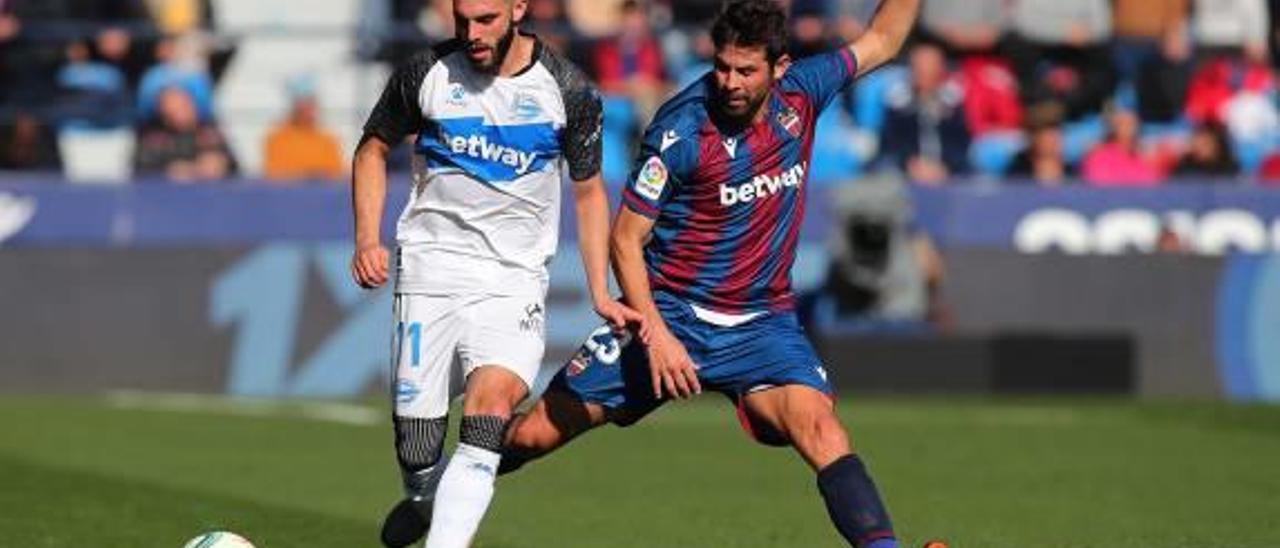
x=144 y=472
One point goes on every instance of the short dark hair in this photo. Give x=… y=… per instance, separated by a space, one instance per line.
x=752 y=23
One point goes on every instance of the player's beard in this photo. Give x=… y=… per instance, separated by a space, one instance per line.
x=744 y=115
x=500 y=51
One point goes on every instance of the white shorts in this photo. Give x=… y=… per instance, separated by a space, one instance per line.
x=440 y=340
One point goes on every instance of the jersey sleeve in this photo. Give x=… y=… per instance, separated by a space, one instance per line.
x=582 y=138
x=823 y=76
x=398 y=113
x=584 y=127
x=653 y=181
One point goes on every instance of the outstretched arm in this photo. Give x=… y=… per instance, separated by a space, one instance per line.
x=592 y=206
x=884 y=37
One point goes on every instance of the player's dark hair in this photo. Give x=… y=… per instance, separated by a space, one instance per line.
x=752 y=23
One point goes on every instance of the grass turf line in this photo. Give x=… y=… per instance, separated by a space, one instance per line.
x=1016 y=473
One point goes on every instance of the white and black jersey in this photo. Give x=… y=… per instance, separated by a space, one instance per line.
x=485 y=207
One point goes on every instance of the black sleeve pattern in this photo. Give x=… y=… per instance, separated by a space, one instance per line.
x=582 y=138
x=398 y=113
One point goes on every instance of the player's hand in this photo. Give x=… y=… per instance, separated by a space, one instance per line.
x=622 y=317
x=671 y=368
x=369 y=266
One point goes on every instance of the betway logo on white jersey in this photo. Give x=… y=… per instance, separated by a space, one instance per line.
x=479 y=147
x=763 y=186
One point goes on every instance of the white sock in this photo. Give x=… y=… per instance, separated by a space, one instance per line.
x=424 y=487
x=462 y=497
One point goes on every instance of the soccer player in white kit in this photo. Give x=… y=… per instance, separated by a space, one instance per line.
x=494 y=115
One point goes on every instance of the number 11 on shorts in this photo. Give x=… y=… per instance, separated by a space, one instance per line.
x=415 y=334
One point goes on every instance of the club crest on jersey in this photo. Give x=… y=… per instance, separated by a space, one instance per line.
x=652 y=179
x=762 y=186
x=457 y=95
x=789 y=119
x=526 y=107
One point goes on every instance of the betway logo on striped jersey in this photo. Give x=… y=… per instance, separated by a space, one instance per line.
x=763 y=186
x=490 y=152
x=478 y=146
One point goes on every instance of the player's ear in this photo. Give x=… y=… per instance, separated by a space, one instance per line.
x=518 y=9
x=780 y=66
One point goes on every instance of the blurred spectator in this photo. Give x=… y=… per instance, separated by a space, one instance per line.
x=595 y=18
x=125 y=35
x=391 y=30
x=1209 y=154
x=178 y=17
x=1220 y=80
x=1269 y=171
x=925 y=133
x=1059 y=51
x=1119 y=160
x=299 y=147
x=1152 y=52
x=94 y=93
x=27 y=144
x=178 y=146
x=1233 y=28
x=852 y=17
x=547 y=19
x=991 y=99
x=29 y=57
x=965 y=27
x=182 y=64
x=1273 y=7
x=692 y=13
x=630 y=63
x=808 y=29
x=698 y=62
x=184 y=18
x=1043 y=161
x=969 y=31
x=1237 y=94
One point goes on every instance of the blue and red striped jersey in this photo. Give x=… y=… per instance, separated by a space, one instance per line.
x=727 y=208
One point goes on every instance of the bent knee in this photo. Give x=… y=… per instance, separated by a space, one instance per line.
x=819 y=432
x=534 y=437
x=494 y=392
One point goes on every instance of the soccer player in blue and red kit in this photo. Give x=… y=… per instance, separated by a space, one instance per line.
x=703 y=248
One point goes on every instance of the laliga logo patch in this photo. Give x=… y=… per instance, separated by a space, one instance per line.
x=652 y=179
x=790 y=120
x=15 y=213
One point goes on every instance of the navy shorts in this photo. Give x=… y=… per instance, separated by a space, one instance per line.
x=768 y=351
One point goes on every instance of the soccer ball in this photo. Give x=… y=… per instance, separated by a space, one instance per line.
x=218 y=539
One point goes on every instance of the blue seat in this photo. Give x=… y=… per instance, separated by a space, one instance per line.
x=835 y=155
x=993 y=153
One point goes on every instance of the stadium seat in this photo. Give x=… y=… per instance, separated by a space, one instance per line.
x=1079 y=137
x=836 y=151
x=992 y=154
x=619 y=126
x=869 y=95
x=93 y=156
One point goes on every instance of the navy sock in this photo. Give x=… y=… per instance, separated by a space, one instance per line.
x=854 y=504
